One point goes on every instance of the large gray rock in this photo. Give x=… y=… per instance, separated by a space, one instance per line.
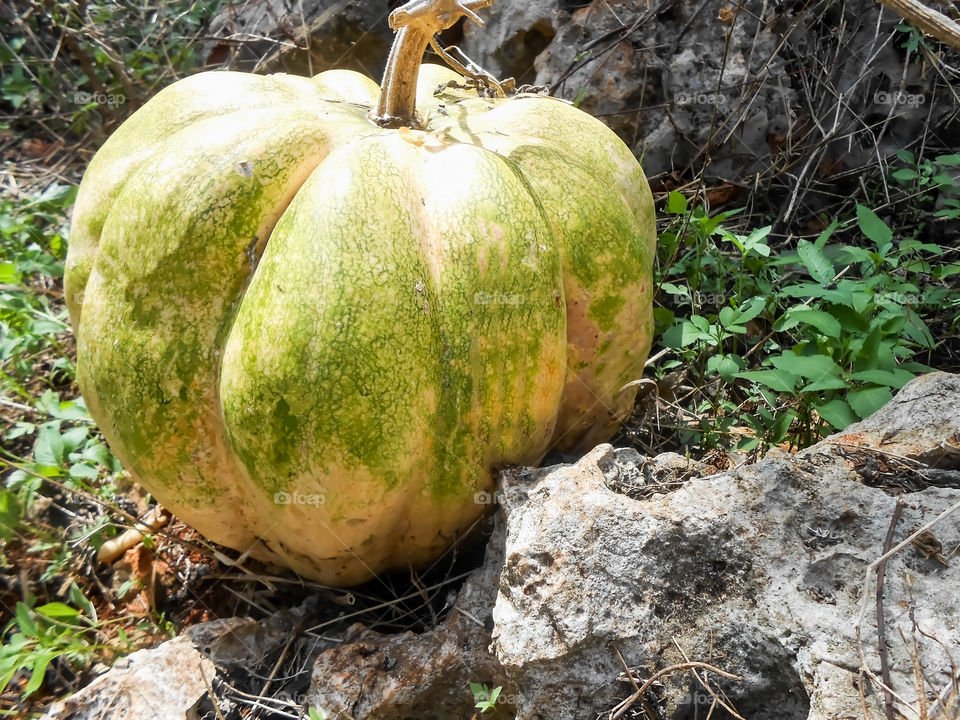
x=759 y=571
x=302 y=38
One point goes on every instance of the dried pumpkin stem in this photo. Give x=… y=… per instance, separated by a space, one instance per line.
x=415 y=23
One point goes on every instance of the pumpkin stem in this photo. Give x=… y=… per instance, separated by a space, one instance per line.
x=416 y=22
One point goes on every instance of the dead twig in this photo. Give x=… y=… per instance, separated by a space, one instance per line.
x=881 y=623
x=625 y=705
x=927 y=19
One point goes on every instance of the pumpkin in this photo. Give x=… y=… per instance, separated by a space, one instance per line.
x=315 y=336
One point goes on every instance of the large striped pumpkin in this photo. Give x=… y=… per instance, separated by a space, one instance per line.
x=315 y=337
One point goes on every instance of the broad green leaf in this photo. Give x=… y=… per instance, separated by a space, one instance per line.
x=676 y=203
x=907 y=157
x=822 y=321
x=814 y=367
x=904 y=175
x=779 y=429
x=82 y=471
x=895 y=378
x=9 y=274
x=40 y=664
x=816 y=263
x=726 y=366
x=672 y=289
x=827 y=382
x=750 y=309
x=874 y=228
x=700 y=323
x=74 y=438
x=917 y=331
x=867 y=401
x=778 y=380
x=57 y=610
x=25 y=620
x=49 y=450
x=837 y=413
x=826 y=234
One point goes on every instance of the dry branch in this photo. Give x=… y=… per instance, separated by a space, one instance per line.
x=927 y=19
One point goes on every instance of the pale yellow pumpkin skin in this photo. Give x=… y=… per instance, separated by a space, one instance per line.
x=314 y=339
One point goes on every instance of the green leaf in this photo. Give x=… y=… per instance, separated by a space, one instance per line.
x=917 y=331
x=726 y=366
x=9 y=274
x=49 y=449
x=814 y=367
x=822 y=321
x=40 y=664
x=837 y=413
x=828 y=382
x=316 y=714
x=672 y=289
x=676 y=203
x=779 y=429
x=895 y=378
x=82 y=471
x=9 y=514
x=25 y=620
x=779 y=380
x=81 y=601
x=868 y=401
x=874 y=228
x=58 y=610
x=904 y=175
x=74 y=438
x=826 y=234
x=816 y=263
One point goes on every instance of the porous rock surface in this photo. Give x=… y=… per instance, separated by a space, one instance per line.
x=165 y=682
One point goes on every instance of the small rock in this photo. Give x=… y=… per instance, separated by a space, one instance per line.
x=164 y=683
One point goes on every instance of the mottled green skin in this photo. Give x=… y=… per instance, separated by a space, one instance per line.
x=274 y=296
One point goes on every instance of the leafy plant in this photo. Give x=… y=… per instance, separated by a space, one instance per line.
x=801 y=340
x=37 y=636
x=485 y=698
x=81 y=66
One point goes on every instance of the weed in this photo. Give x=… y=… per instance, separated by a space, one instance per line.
x=797 y=341
x=485 y=698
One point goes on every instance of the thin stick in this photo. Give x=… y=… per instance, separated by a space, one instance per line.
x=881 y=623
x=626 y=704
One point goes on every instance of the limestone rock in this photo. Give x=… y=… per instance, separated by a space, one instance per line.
x=303 y=38
x=759 y=571
x=163 y=683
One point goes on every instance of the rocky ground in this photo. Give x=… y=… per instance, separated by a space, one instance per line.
x=819 y=585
